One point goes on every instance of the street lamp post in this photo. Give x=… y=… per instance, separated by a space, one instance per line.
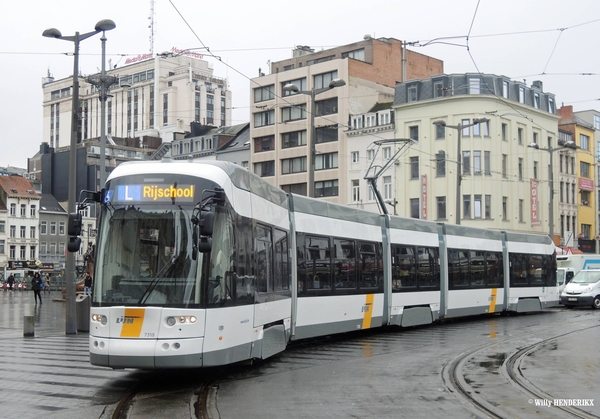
x=106 y=24
x=103 y=81
x=312 y=137
x=459 y=129
x=550 y=150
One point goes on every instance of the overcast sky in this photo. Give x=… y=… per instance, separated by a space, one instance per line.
x=548 y=40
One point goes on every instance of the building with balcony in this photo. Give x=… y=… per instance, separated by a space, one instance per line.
x=489 y=171
x=290 y=124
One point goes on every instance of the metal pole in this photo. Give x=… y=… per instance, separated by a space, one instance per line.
x=103 y=115
x=551 y=210
x=71 y=320
x=458 y=174
x=311 y=145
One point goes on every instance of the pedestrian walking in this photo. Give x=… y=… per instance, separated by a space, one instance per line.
x=11 y=282
x=87 y=285
x=36 y=285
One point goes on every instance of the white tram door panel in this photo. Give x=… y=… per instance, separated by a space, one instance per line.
x=271 y=311
x=474 y=301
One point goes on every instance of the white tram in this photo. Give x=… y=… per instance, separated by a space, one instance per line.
x=204 y=264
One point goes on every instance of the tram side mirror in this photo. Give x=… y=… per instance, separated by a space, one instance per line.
x=74 y=224
x=205 y=244
x=207 y=220
x=74 y=244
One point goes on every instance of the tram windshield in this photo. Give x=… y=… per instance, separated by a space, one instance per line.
x=147 y=254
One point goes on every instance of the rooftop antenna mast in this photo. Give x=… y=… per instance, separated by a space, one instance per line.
x=151 y=27
x=374 y=171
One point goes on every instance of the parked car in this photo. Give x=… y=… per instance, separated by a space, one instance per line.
x=582 y=290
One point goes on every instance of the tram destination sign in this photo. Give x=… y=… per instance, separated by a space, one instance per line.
x=151 y=193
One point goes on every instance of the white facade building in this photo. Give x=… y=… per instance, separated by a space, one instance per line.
x=153 y=97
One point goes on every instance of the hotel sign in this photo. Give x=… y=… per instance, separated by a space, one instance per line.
x=535 y=216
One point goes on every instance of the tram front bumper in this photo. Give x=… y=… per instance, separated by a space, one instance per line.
x=146 y=353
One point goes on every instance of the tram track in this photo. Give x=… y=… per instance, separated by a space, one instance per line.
x=511 y=370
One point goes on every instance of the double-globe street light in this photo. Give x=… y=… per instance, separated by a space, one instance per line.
x=459 y=129
x=292 y=88
x=101 y=26
x=550 y=150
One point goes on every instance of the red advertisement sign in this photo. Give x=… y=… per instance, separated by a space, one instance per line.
x=535 y=220
x=424 y=197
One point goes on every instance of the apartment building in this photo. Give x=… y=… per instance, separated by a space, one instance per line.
x=19 y=219
x=298 y=113
x=495 y=173
x=152 y=97
x=582 y=226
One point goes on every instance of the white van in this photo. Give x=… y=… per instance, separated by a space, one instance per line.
x=582 y=290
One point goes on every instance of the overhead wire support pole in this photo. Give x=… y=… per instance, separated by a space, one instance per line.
x=372 y=179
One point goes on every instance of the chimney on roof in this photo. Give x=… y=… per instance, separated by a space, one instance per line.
x=538 y=85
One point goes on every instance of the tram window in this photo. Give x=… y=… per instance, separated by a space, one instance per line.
x=344 y=254
x=264 y=258
x=282 y=272
x=368 y=265
x=536 y=271
x=458 y=268
x=518 y=269
x=406 y=274
x=476 y=268
x=318 y=262
x=494 y=269
x=428 y=267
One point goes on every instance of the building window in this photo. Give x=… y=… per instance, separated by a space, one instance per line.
x=387 y=153
x=387 y=187
x=370 y=121
x=485 y=128
x=466 y=131
x=414 y=208
x=327 y=107
x=293 y=139
x=61 y=228
x=520 y=135
x=264 y=93
x=536 y=100
x=370 y=155
x=551 y=107
x=326 y=188
x=326 y=161
x=32 y=253
x=13 y=210
x=355 y=157
x=266 y=168
x=53 y=228
x=297 y=188
x=32 y=232
x=487 y=168
x=2 y=226
x=165 y=111
x=295 y=165
x=264 y=143
x=355 y=191
x=466 y=163
x=412 y=94
x=584 y=169
x=13 y=231
x=584 y=142
x=535 y=137
x=441 y=207
x=293 y=113
x=23 y=232
x=505 y=88
x=466 y=206
x=474 y=86
x=23 y=252
x=43 y=227
x=299 y=83
x=32 y=211
x=326 y=134
x=438 y=89
x=440 y=164
x=520 y=169
x=323 y=80
x=521 y=204
x=488 y=207
x=504 y=208
x=597 y=122
x=440 y=132
x=477 y=206
x=2 y=247
x=504 y=132
x=413 y=133
x=522 y=94
x=477 y=162
x=358 y=54
x=23 y=210
x=414 y=167
x=535 y=170
x=504 y=164
x=262 y=119
x=357 y=122
x=586 y=230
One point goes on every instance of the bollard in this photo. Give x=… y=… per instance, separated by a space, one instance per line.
x=28 y=323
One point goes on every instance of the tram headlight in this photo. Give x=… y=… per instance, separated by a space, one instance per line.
x=100 y=318
x=171 y=321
